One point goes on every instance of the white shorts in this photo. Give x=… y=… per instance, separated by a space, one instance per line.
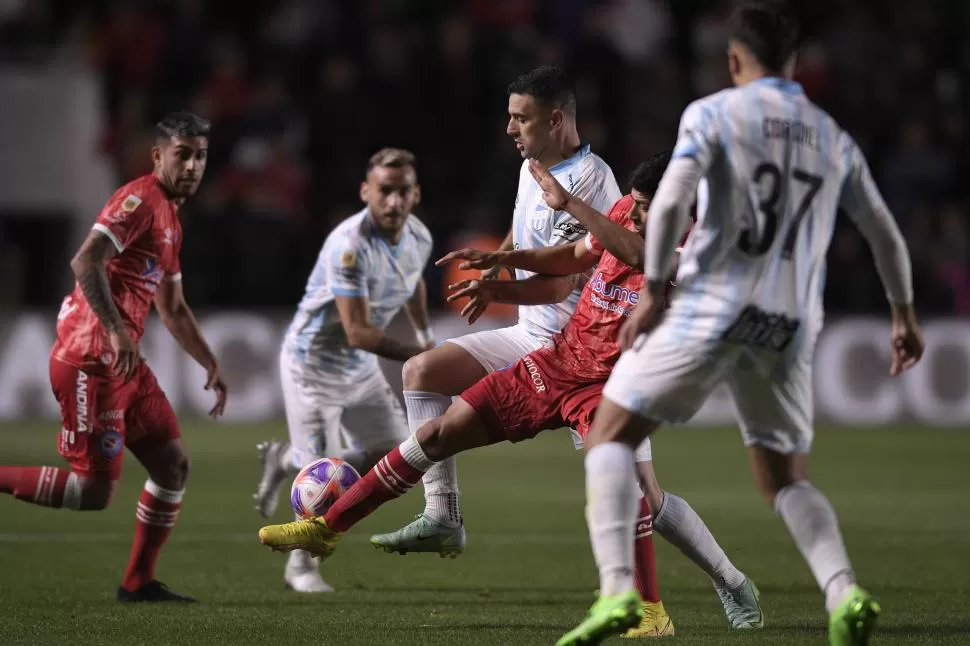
x=498 y=349
x=669 y=383
x=324 y=416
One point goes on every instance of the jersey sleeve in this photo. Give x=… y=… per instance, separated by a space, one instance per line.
x=348 y=271
x=697 y=135
x=618 y=213
x=123 y=219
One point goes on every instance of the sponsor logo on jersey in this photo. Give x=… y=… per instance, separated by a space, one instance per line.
x=81 y=402
x=152 y=273
x=571 y=231
x=612 y=297
x=534 y=374
x=110 y=415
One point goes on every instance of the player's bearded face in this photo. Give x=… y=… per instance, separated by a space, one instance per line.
x=390 y=194
x=530 y=126
x=180 y=164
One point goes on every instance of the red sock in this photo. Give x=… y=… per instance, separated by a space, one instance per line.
x=390 y=478
x=154 y=519
x=645 y=573
x=42 y=486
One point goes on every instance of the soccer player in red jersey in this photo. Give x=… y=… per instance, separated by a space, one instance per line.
x=555 y=386
x=108 y=395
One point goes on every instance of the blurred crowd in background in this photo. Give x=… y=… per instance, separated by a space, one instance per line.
x=301 y=92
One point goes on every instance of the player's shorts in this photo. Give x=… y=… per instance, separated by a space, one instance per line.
x=322 y=415
x=669 y=382
x=498 y=349
x=100 y=416
x=536 y=394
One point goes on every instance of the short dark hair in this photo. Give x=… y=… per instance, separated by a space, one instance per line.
x=182 y=124
x=645 y=178
x=391 y=158
x=769 y=28
x=547 y=85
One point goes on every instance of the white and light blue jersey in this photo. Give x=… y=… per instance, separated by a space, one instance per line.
x=536 y=226
x=775 y=170
x=356 y=260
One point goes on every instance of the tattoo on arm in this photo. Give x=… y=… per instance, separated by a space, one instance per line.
x=92 y=276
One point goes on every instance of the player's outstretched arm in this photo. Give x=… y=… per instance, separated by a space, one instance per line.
x=538 y=290
x=558 y=260
x=181 y=323
x=355 y=318
x=626 y=245
x=417 y=311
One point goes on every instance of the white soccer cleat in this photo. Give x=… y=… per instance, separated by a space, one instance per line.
x=267 y=495
x=302 y=574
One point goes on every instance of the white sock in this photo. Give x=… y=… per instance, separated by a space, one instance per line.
x=441 y=481
x=680 y=526
x=612 y=503
x=812 y=523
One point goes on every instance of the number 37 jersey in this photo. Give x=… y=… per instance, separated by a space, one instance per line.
x=775 y=171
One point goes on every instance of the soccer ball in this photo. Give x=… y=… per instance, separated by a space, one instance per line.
x=318 y=485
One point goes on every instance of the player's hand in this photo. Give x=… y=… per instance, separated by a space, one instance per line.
x=473 y=259
x=479 y=296
x=907 y=341
x=554 y=194
x=216 y=383
x=495 y=272
x=126 y=354
x=644 y=318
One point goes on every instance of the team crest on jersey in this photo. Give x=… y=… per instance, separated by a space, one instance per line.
x=111 y=443
x=540 y=222
x=348 y=259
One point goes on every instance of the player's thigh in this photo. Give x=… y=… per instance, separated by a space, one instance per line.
x=517 y=403
x=774 y=410
x=661 y=381
x=313 y=415
x=458 y=363
x=775 y=415
x=153 y=433
x=374 y=418
x=93 y=421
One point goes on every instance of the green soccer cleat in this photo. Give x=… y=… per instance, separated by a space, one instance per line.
x=608 y=616
x=851 y=623
x=742 y=605
x=424 y=534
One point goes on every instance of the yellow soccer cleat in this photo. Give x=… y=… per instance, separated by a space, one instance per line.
x=312 y=535
x=655 y=622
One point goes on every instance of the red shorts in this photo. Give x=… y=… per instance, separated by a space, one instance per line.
x=100 y=416
x=533 y=395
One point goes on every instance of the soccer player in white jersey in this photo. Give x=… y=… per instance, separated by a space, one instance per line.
x=337 y=401
x=542 y=122
x=747 y=312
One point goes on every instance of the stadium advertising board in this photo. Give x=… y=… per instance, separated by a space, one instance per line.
x=852 y=385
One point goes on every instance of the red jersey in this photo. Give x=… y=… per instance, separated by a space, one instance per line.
x=588 y=342
x=142 y=222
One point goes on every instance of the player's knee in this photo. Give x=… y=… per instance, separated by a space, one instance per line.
x=181 y=466
x=418 y=372
x=96 y=494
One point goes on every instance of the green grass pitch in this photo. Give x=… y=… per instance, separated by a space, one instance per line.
x=527 y=575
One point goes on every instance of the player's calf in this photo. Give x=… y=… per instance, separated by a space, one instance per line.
x=459 y=429
x=54 y=487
